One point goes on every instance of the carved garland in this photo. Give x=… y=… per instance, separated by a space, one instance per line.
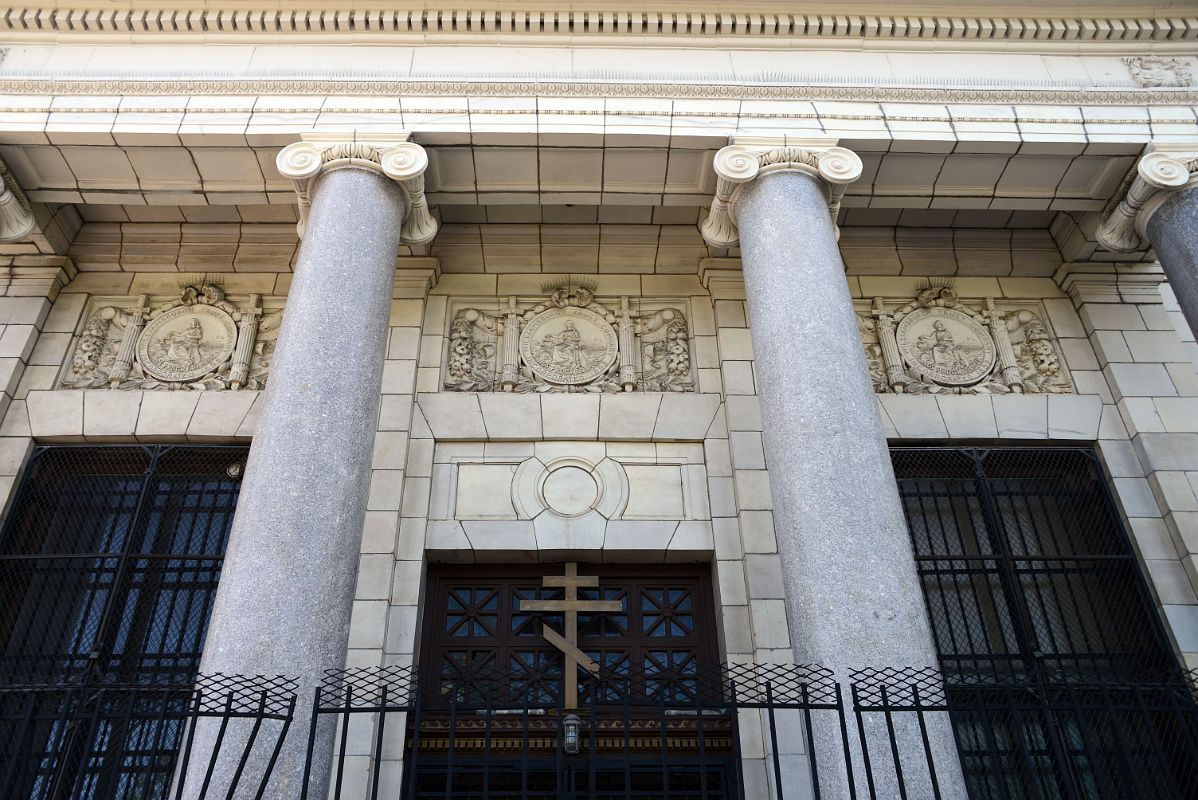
x=569 y=343
x=1155 y=72
x=936 y=344
x=199 y=340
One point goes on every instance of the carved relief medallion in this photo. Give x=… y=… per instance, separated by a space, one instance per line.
x=186 y=343
x=945 y=346
x=568 y=345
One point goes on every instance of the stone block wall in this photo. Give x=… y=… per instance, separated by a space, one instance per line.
x=702 y=481
x=36 y=323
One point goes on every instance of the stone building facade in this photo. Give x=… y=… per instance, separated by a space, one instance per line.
x=506 y=289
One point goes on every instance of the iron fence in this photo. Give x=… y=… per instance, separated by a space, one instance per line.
x=727 y=733
x=126 y=742
x=682 y=736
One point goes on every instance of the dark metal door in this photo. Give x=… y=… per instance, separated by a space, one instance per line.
x=109 y=562
x=1060 y=676
x=494 y=703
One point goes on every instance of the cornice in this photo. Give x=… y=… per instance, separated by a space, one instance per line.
x=200 y=20
x=782 y=89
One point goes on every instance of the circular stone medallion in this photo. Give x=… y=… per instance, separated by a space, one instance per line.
x=570 y=491
x=945 y=346
x=186 y=343
x=568 y=345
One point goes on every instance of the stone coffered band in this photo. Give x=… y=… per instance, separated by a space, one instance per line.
x=740 y=163
x=1159 y=174
x=393 y=156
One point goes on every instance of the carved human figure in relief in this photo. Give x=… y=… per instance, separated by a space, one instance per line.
x=183 y=347
x=939 y=350
x=565 y=348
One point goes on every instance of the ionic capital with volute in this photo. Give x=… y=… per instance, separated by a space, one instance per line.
x=16 y=218
x=390 y=155
x=745 y=160
x=1163 y=171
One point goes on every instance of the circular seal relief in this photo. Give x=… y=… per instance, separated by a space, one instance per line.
x=945 y=346
x=568 y=345
x=186 y=343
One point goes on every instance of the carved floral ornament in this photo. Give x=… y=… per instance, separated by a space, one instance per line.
x=569 y=342
x=393 y=156
x=1159 y=72
x=1159 y=174
x=739 y=164
x=939 y=344
x=199 y=339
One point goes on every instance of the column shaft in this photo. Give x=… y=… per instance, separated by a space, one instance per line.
x=1173 y=230
x=853 y=597
x=287 y=587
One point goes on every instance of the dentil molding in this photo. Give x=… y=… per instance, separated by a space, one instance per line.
x=391 y=155
x=968 y=25
x=1161 y=172
x=744 y=161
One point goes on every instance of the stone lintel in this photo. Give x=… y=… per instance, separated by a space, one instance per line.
x=392 y=155
x=747 y=158
x=1163 y=170
x=1087 y=282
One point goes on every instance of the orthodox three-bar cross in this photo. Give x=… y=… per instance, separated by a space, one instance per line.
x=567 y=640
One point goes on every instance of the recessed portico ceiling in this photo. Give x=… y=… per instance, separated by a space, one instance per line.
x=673 y=172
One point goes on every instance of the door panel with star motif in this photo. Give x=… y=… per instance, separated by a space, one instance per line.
x=474 y=625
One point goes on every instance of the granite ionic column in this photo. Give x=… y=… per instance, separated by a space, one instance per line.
x=853 y=598
x=1173 y=231
x=1160 y=209
x=287 y=585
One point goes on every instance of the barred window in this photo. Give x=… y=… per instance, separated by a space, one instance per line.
x=109 y=562
x=1059 y=676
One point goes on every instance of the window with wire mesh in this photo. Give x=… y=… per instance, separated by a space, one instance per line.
x=1058 y=674
x=1027 y=570
x=109 y=561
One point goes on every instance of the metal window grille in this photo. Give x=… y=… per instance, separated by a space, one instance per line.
x=1059 y=676
x=109 y=561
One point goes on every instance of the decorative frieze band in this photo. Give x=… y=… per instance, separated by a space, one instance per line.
x=201 y=339
x=744 y=161
x=393 y=156
x=569 y=342
x=938 y=343
x=1158 y=174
